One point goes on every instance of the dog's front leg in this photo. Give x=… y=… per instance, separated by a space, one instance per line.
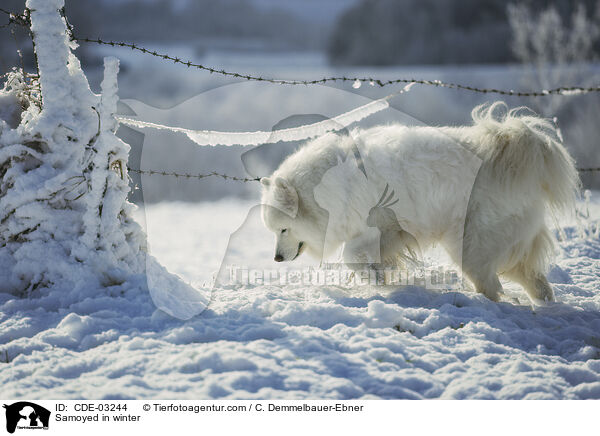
x=362 y=255
x=362 y=249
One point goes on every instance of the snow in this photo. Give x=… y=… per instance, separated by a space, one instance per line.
x=303 y=341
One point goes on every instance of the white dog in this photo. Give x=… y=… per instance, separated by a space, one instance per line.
x=482 y=191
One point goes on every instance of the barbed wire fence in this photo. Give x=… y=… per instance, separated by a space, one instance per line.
x=25 y=21
x=563 y=90
x=192 y=176
x=236 y=178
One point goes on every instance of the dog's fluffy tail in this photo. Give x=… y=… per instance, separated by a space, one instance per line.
x=526 y=153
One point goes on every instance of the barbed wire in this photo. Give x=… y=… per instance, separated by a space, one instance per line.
x=562 y=90
x=24 y=20
x=236 y=178
x=192 y=176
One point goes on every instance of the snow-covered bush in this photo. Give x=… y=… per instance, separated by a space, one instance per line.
x=64 y=218
x=65 y=222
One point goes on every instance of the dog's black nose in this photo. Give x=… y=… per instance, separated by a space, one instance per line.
x=278 y=258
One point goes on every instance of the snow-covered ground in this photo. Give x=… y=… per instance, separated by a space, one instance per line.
x=301 y=341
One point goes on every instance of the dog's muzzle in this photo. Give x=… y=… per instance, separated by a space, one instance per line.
x=279 y=258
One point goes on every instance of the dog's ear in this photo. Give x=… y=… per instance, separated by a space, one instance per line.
x=265 y=181
x=286 y=197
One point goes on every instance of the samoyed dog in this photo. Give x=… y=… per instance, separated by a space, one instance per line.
x=483 y=191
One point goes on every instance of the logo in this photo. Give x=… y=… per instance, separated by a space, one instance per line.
x=26 y=415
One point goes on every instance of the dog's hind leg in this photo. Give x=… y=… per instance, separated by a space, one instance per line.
x=529 y=270
x=478 y=263
x=487 y=284
x=535 y=284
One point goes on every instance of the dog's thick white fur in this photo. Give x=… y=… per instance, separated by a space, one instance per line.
x=482 y=191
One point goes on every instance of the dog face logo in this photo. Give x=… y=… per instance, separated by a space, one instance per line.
x=26 y=415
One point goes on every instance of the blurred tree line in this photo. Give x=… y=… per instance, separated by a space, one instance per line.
x=393 y=32
x=373 y=32
x=167 y=21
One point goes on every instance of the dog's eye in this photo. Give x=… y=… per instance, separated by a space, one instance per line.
x=284 y=231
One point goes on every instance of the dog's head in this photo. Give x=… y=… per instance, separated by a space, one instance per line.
x=280 y=215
